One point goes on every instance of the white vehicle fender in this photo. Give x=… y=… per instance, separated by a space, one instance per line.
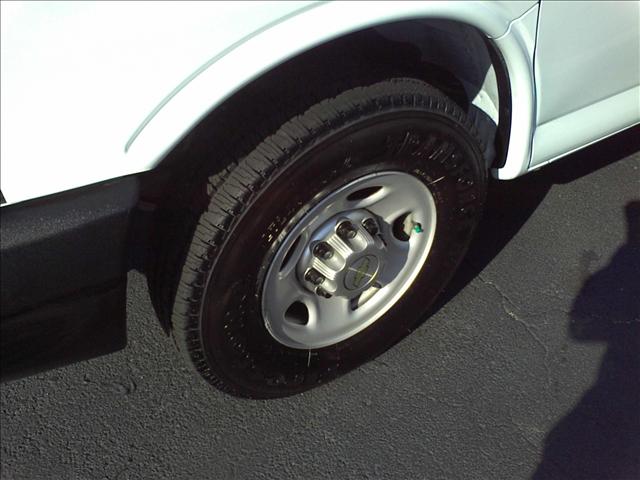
x=80 y=80
x=235 y=67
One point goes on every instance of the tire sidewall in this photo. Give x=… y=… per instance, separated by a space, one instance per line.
x=433 y=148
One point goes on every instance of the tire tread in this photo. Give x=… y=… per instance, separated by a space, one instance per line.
x=230 y=191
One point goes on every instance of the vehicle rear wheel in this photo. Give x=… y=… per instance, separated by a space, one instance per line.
x=329 y=242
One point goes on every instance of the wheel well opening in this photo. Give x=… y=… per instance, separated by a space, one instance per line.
x=453 y=57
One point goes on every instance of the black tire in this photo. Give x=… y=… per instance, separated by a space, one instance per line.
x=399 y=124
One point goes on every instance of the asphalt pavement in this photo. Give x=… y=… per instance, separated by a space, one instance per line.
x=528 y=368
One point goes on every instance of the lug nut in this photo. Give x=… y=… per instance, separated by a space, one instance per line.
x=322 y=292
x=323 y=251
x=370 y=226
x=314 y=276
x=346 y=230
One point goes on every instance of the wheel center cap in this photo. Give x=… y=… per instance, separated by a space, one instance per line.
x=344 y=256
x=361 y=272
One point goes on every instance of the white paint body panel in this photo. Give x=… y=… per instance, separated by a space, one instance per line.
x=587 y=74
x=79 y=78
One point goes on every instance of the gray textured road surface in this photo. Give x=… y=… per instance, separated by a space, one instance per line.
x=527 y=369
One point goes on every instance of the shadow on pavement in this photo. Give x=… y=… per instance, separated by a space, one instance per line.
x=600 y=438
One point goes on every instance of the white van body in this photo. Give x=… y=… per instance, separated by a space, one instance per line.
x=98 y=90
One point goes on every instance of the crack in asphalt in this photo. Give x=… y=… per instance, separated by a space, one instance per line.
x=506 y=302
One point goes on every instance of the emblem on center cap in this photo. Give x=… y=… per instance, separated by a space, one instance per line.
x=361 y=272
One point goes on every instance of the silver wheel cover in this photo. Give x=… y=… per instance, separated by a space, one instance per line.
x=348 y=260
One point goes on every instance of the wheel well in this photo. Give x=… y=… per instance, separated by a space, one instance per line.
x=454 y=57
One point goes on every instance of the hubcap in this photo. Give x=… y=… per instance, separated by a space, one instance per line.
x=348 y=260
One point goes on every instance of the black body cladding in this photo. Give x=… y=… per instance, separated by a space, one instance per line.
x=63 y=276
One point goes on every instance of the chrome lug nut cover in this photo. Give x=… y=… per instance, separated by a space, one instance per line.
x=357 y=256
x=323 y=250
